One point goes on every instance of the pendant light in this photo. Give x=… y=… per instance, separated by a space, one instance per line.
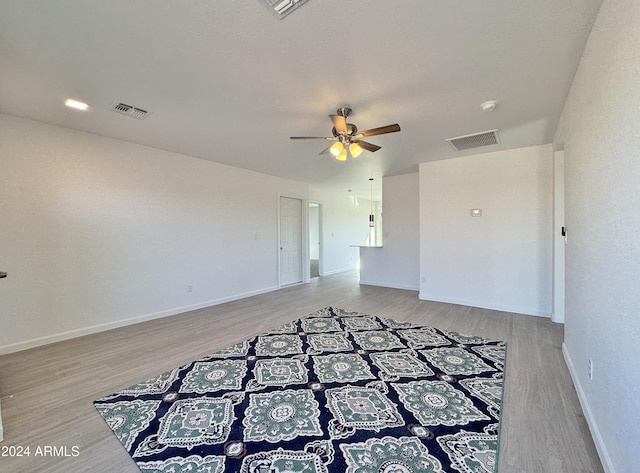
x=371 y=221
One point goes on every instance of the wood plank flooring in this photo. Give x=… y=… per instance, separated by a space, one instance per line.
x=47 y=392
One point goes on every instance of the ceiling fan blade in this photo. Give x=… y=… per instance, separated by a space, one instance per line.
x=312 y=138
x=378 y=131
x=339 y=123
x=326 y=150
x=368 y=146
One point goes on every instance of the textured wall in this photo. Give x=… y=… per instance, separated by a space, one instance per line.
x=600 y=125
x=397 y=263
x=503 y=259
x=97 y=233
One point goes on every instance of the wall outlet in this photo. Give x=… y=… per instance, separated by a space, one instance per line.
x=590 y=368
x=189 y=288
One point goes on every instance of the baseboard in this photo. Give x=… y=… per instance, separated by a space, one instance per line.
x=58 y=337
x=336 y=271
x=391 y=285
x=503 y=308
x=588 y=415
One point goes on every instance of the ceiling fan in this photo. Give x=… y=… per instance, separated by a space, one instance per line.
x=347 y=136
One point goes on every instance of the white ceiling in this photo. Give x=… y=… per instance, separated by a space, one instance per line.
x=229 y=82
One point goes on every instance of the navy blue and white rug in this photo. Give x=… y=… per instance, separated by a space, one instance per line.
x=332 y=392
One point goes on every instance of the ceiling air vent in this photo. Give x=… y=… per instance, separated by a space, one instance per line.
x=475 y=140
x=283 y=7
x=130 y=110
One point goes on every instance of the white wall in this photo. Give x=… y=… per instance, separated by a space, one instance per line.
x=600 y=124
x=397 y=263
x=502 y=260
x=96 y=233
x=345 y=222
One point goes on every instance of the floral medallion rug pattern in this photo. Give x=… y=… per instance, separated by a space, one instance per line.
x=332 y=392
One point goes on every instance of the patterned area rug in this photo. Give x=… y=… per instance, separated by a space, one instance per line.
x=335 y=391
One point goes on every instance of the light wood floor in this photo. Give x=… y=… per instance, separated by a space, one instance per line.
x=47 y=392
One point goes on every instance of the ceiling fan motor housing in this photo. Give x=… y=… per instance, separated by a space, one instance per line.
x=351 y=130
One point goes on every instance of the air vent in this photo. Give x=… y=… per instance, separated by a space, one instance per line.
x=475 y=140
x=130 y=110
x=283 y=7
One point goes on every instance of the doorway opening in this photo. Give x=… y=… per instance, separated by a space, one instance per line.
x=315 y=247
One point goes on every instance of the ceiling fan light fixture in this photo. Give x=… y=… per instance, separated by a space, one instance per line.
x=343 y=155
x=336 y=149
x=355 y=149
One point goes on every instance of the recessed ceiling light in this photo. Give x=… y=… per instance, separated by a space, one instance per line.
x=489 y=106
x=75 y=104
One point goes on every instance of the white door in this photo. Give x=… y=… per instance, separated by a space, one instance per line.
x=290 y=241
